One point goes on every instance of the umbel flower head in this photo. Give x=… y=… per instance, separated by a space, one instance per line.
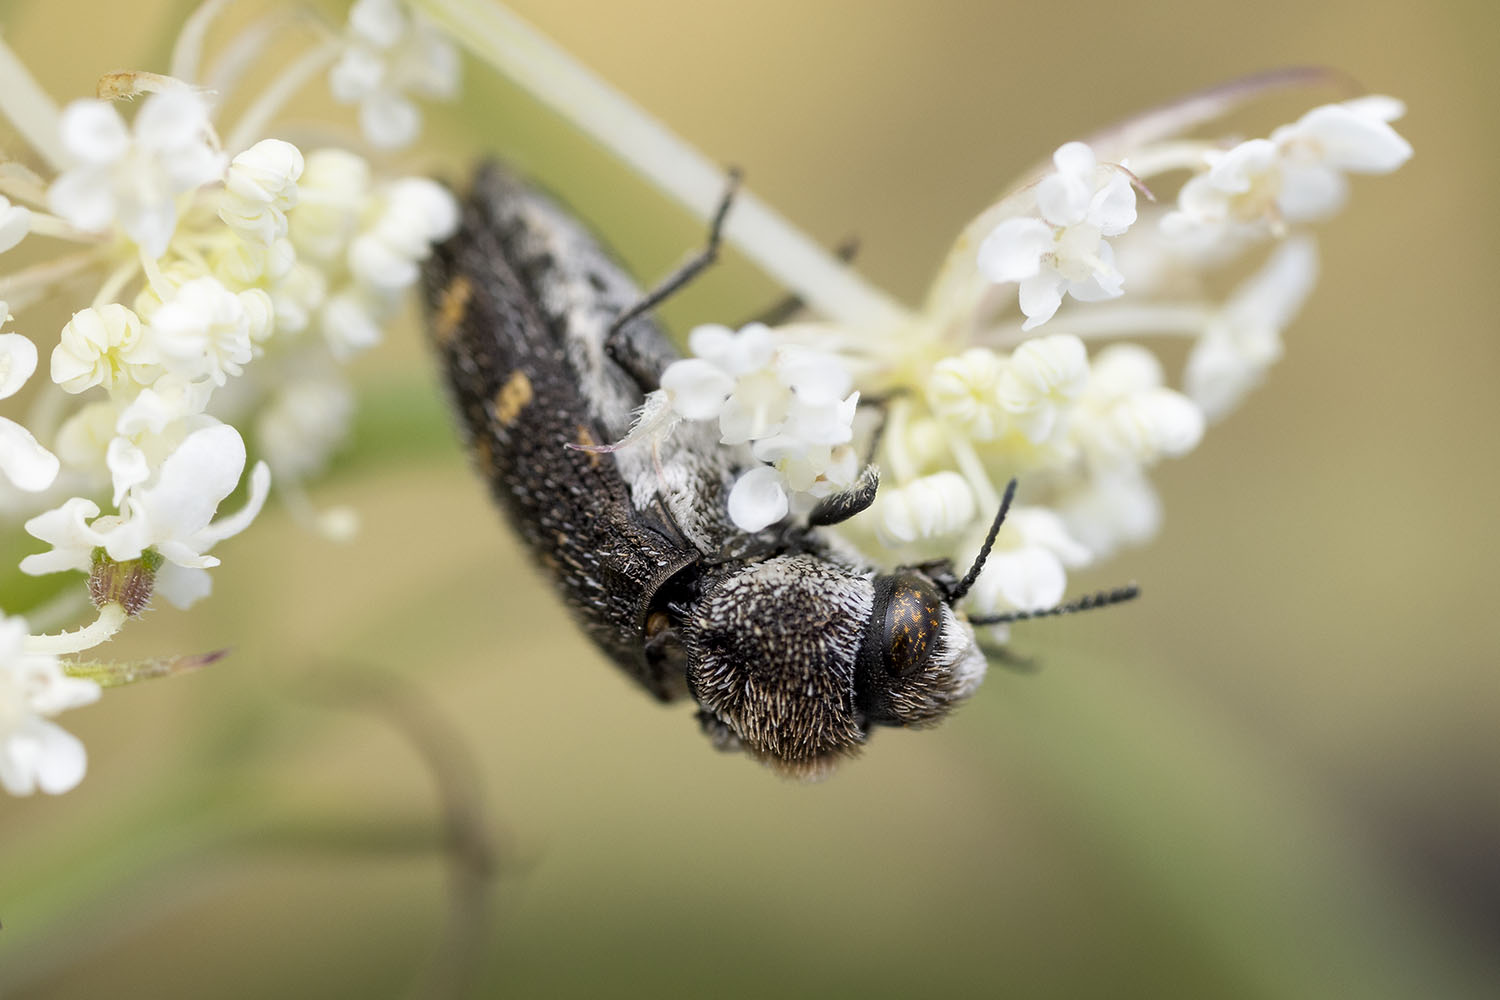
x=216 y=278
x=1068 y=397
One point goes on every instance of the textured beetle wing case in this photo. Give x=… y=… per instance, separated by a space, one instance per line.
x=520 y=301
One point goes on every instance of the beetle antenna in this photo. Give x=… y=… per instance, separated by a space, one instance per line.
x=1102 y=599
x=962 y=587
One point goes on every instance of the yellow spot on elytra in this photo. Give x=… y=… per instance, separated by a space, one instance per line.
x=512 y=397
x=452 y=307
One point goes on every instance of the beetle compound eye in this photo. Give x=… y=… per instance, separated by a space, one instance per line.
x=913 y=622
x=657 y=623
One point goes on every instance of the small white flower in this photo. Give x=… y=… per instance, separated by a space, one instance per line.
x=259 y=187
x=963 y=390
x=131 y=178
x=1126 y=415
x=172 y=514
x=1114 y=507
x=1244 y=339
x=28 y=465
x=1027 y=569
x=203 y=331
x=331 y=194
x=417 y=213
x=1297 y=175
x=391 y=53
x=36 y=753
x=350 y=321
x=1040 y=381
x=297 y=296
x=760 y=391
x=1064 y=252
x=104 y=346
x=266 y=174
x=806 y=467
x=303 y=424
x=930 y=507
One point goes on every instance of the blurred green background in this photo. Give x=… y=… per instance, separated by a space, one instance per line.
x=1275 y=776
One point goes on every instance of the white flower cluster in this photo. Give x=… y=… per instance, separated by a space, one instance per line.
x=390 y=52
x=792 y=405
x=979 y=399
x=229 y=284
x=1062 y=248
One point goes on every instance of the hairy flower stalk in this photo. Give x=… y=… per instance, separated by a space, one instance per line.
x=231 y=275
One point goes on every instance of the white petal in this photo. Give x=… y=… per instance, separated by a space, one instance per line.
x=824 y=423
x=1272 y=297
x=1236 y=170
x=52 y=691
x=15 y=223
x=738 y=353
x=23 y=460
x=84 y=197
x=356 y=75
x=203 y=470
x=1030 y=579
x=348 y=324
x=1075 y=158
x=698 y=388
x=1120 y=369
x=376 y=263
x=128 y=467
x=1113 y=206
x=758 y=499
x=1116 y=508
x=381 y=22
x=1063 y=199
x=183 y=586
x=1353 y=141
x=233 y=524
x=171 y=120
x=63 y=528
x=150 y=223
x=93 y=132
x=1162 y=423
x=814 y=376
x=1217 y=376
x=435 y=72
x=1310 y=191
x=60 y=760
x=1040 y=297
x=1378 y=106
x=1013 y=250
x=389 y=120
x=17 y=362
